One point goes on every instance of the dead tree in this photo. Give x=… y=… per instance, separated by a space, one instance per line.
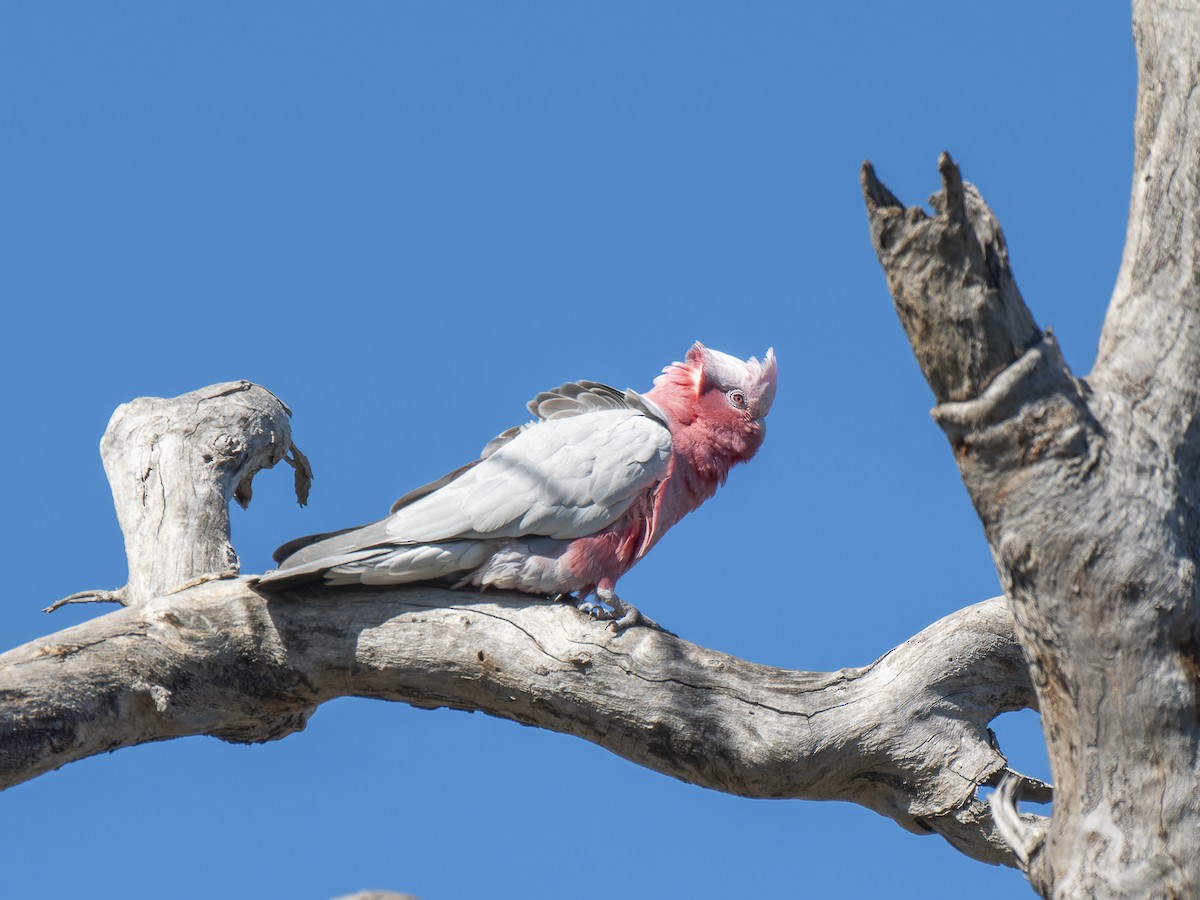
x=1087 y=489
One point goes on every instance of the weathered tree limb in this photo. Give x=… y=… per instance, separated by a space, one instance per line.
x=1087 y=490
x=950 y=279
x=173 y=466
x=906 y=736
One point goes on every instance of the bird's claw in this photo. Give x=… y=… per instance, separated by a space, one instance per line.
x=624 y=615
x=589 y=608
x=611 y=609
x=628 y=617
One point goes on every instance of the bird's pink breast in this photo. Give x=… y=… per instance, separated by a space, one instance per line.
x=609 y=554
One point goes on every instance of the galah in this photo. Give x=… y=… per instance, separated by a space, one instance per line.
x=568 y=503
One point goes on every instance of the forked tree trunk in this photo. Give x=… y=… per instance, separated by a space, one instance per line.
x=1087 y=489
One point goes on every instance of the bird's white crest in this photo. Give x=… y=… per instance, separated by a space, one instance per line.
x=765 y=375
x=758 y=379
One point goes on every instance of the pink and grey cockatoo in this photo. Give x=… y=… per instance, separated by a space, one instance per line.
x=568 y=503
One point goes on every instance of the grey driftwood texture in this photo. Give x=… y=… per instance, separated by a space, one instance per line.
x=1087 y=489
x=906 y=736
x=173 y=466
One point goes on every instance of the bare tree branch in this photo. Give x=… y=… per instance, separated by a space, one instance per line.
x=1026 y=838
x=979 y=324
x=906 y=736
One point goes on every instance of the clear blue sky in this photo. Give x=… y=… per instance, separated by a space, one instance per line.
x=408 y=218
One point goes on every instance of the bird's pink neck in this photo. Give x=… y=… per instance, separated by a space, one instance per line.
x=703 y=453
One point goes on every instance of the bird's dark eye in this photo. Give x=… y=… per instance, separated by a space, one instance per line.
x=737 y=398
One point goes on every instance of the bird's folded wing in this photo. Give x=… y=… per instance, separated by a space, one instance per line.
x=577 y=397
x=563 y=478
x=574 y=398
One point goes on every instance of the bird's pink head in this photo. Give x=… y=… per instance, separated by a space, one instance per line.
x=718 y=400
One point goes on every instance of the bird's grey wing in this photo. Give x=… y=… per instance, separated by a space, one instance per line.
x=578 y=397
x=562 y=478
x=418 y=493
x=294 y=546
x=571 y=399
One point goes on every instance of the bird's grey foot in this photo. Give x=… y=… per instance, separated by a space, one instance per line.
x=624 y=615
x=612 y=609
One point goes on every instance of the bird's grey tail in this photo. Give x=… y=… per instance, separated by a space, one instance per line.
x=294 y=546
x=283 y=580
x=307 y=559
